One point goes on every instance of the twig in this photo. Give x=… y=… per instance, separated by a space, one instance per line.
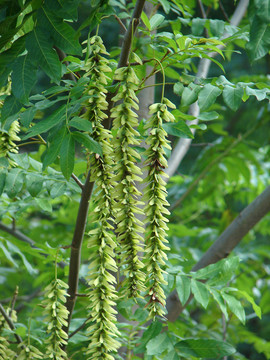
x=120 y=22
x=62 y=56
x=125 y=51
x=10 y=324
x=134 y=22
x=78 y=182
x=224 y=11
x=20 y=236
x=16 y=233
x=23 y=298
x=202 y=144
x=13 y=301
x=79 y=328
x=202 y=9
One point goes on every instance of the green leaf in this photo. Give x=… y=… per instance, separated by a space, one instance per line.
x=16 y=48
x=63 y=34
x=217 y=27
x=198 y=126
x=200 y=292
x=57 y=190
x=21 y=159
x=8 y=254
x=233 y=96
x=40 y=48
x=3 y=175
x=66 y=9
x=235 y=306
x=46 y=124
x=10 y=108
x=190 y=94
x=155 y=21
x=14 y=182
x=197 y=26
x=158 y=344
x=166 y=6
x=263 y=10
x=227 y=268
x=88 y=142
x=23 y=78
x=67 y=154
x=204 y=348
x=80 y=124
x=145 y=20
x=209 y=272
x=171 y=355
x=21 y=331
x=207 y=96
x=256 y=308
x=44 y=204
x=260 y=94
x=208 y=116
x=34 y=184
x=178 y=88
x=259 y=42
x=218 y=298
x=151 y=332
x=54 y=148
x=183 y=284
x=179 y=129
x=27 y=116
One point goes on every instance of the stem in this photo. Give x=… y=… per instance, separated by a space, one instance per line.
x=134 y=22
x=10 y=324
x=75 y=255
x=120 y=22
x=79 y=328
x=17 y=234
x=14 y=298
x=78 y=182
x=125 y=51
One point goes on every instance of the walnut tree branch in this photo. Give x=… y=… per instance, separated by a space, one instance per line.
x=10 y=324
x=225 y=243
x=75 y=255
x=133 y=24
x=17 y=234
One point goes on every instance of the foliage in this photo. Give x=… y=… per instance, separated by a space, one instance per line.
x=72 y=136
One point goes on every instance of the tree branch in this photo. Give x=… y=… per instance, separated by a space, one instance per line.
x=183 y=145
x=134 y=22
x=17 y=234
x=75 y=255
x=77 y=181
x=125 y=51
x=10 y=324
x=226 y=242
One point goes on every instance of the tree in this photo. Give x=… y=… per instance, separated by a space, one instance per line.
x=86 y=127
